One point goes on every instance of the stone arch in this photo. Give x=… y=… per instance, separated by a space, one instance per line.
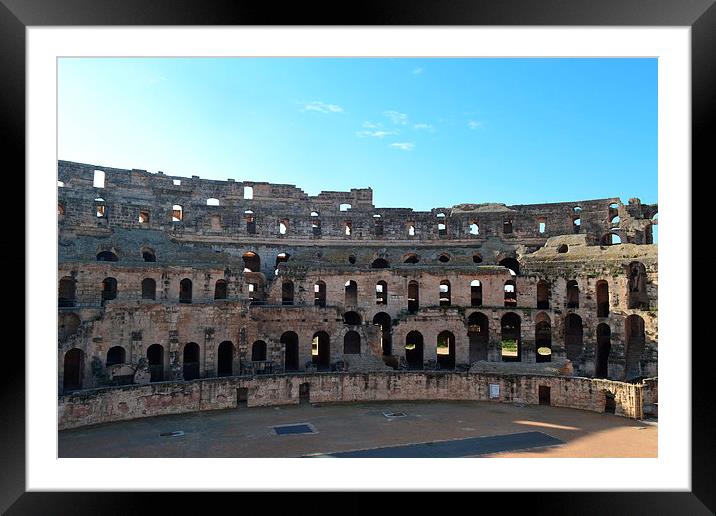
x=445 y=350
x=66 y=292
x=185 y=288
x=386 y=326
x=321 y=350
x=258 y=351
x=319 y=294
x=411 y=258
x=602 y=298
x=149 y=288
x=67 y=325
x=510 y=290
x=252 y=262
x=511 y=337
x=109 y=289
x=351 y=343
x=572 y=294
x=635 y=343
x=380 y=263
x=220 y=289
x=413 y=296
x=155 y=359
x=637 y=296
x=107 y=256
x=543 y=338
x=414 y=350
x=543 y=294
x=351 y=293
x=573 y=337
x=289 y=340
x=225 y=359
x=115 y=355
x=381 y=293
x=148 y=255
x=445 y=294
x=190 y=361
x=475 y=293
x=512 y=264
x=478 y=333
x=604 y=347
x=352 y=318
x=73 y=370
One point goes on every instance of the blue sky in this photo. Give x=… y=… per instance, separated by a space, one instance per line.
x=422 y=133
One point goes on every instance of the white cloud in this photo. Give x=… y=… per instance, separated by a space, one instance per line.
x=426 y=127
x=418 y=71
x=403 y=146
x=376 y=134
x=396 y=117
x=322 y=107
x=474 y=124
x=371 y=125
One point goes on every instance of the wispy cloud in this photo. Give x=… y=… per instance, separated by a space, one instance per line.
x=424 y=127
x=407 y=146
x=396 y=117
x=474 y=124
x=322 y=107
x=376 y=134
x=418 y=71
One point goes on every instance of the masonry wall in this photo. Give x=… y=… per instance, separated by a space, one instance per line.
x=131 y=402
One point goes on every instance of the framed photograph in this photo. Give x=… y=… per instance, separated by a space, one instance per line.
x=408 y=212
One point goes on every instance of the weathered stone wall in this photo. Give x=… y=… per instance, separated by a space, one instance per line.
x=131 y=402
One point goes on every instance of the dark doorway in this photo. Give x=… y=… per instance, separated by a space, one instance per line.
x=610 y=404
x=191 y=361
x=321 y=351
x=478 y=333
x=155 y=358
x=319 y=294
x=290 y=341
x=602 y=298
x=149 y=288
x=635 y=341
x=115 y=356
x=74 y=362
x=386 y=339
x=242 y=397
x=351 y=343
x=573 y=337
x=413 y=297
x=287 y=292
x=66 y=295
x=475 y=293
x=414 y=350
x=446 y=350
x=258 y=351
x=604 y=346
x=543 y=294
x=225 y=366
x=304 y=393
x=511 y=337
x=185 y=291
x=544 y=392
x=543 y=338
x=220 y=289
x=109 y=290
x=572 y=294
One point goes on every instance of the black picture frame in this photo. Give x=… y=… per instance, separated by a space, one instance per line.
x=700 y=15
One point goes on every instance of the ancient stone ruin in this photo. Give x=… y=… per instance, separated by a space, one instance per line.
x=176 y=279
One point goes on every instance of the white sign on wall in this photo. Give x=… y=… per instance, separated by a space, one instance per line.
x=494 y=390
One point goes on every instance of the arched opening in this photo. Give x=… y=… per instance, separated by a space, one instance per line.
x=512 y=264
x=67 y=325
x=177 y=213
x=414 y=350
x=604 y=347
x=258 y=351
x=319 y=294
x=281 y=258
x=351 y=343
x=477 y=258
x=115 y=355
x=352 y=260
x=98 y=179
x=225 y=359
x=543 y=294
x=287 y=292
x=248 y=192
x=282 y=227
x=379 y=263
x=212 y=201
x=576 y=225
x=250 y=222
x=446 y=350
x=474 y=229
x=66 y=292
x=185 y=291
x=478 y=332
x=573 y=337
x=191 y=361
x=610 y=404
x=352 y=318
x=290 y=342
x=143 y=217
x=149 y=288
x=507 y=226
x=386 y=325
x=315 y=225
x=107 y=256
x=445 y=295
x=378 y=225
x=73 y=366
x=543 y=338
x=220 y=289
x=100 y=208
x=615 y=220
x=411 y=229
x=411 y=258
x=321 y=351
x=638 y=298
x=155 y=359
x=602 y=298
x=541 y=225
x=109 y=290
x=475 y=293
x=348 y=227
x=511 y=337
x=611 y=239
x=444 y=258
x=572 y=294
x=635 y=342
x=563 y=248
x=252 y=262
x=351 y=293
x=344 y=207
x=148 y=255
x=381 y=293
x=413 y=296
x=510 y=290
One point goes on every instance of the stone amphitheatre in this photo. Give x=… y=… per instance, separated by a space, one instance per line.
x=181 y=294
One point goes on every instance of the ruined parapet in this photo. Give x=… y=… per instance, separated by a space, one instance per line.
x=555 y=368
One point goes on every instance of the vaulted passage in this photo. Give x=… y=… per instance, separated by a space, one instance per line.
x=543 y=338
x=604 y=347
x=191 y=361
x=155 y=359
x=352 y=318
x=511 y=337
x=379 y=263
x=386 y=327
x=185 y=291
x=115 y=355
x=602 y=298
x=572 y=294
x=414 y=350
x=512 y=264
x=73 y=366
x=573 y=337
x=66 y=292
x=635 y=341
x=478 y=331
x=321 y=351
x=107 y=256
x=413 y=297
x=258 y=351
x=446 y=350
x=351 y=343
x=290 y=342
x=225 y=359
